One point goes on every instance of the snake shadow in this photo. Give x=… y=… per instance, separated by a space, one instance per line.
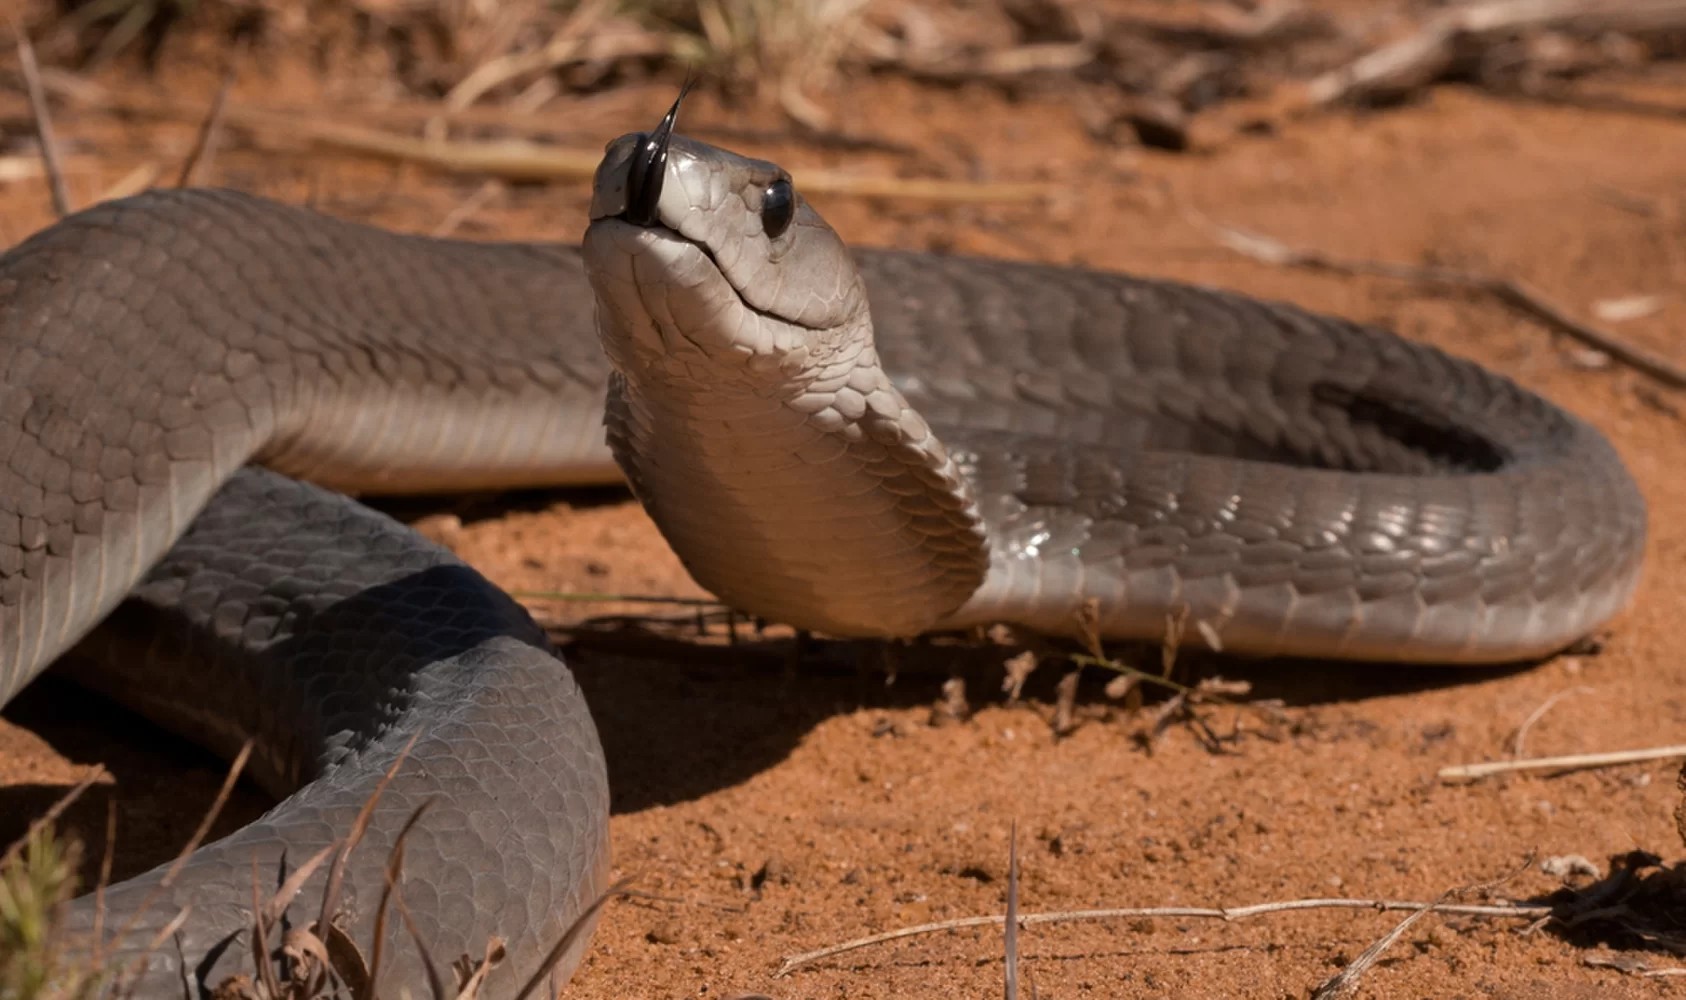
x=680 y=719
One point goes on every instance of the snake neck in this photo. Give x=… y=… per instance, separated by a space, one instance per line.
x=831 y=508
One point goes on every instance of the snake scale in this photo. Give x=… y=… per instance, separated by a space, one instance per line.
x=863 y=442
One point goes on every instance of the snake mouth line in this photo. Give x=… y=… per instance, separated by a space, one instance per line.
x=662 y=231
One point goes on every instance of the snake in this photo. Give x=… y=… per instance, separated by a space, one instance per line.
x=200 y=384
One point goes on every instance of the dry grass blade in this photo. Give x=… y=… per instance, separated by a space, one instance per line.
x=435 y=982
x=1010 y=935
x=1539 y=713
x=260 y=939
x=465 y=210
x=43 y=119
x=336 y=874
x=199 y=834
x=108 y=856
x=394 y=866
x=205 y=142
x=569 y=937
x=52 y=814
x=211 y=814
x=164 y=934
x=283 y=897
x=132 y=183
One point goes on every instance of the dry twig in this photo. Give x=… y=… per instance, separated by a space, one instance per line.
x=209 y=819
x=1269 y=250
x=132 y=183
x=1537 y=714
x=1571 y=762
x=394 y=867
x=43 y=119
x=518 y=160
x=466 y=209
x=1010 y=928
x=1439 y=46
x=584 y=922
x=1509 y=911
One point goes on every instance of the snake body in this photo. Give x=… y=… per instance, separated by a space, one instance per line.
x=989 y=441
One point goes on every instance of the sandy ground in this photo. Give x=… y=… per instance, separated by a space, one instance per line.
x=777 y=810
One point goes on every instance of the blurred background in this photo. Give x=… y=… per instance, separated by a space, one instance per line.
x=1506 y=180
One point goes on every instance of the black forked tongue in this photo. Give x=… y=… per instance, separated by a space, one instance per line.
x=648 y=168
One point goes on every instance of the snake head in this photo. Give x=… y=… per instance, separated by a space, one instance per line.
x=703 y=258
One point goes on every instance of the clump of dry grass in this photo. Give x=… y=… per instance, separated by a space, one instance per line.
x=318 y=961
x=776 y=48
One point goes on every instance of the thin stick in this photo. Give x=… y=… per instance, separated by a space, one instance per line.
x=1010 y=935
x=133 y=182
x=210 y=816
x=260 y=938
x=435 y=982
x=290 y=887
x=52 y=814
x=192 y=844
x=106 y=859
x=1537 y=714
x=467 y=208
x=569 y=937
x=555 y=595
x=43 y=119
x=394 y=866
x=1518 y=911
x=1572 y=762
x=164 y=934
x=1269 y=250
x=205 y=143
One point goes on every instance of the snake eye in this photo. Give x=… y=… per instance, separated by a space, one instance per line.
x=778 y=208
